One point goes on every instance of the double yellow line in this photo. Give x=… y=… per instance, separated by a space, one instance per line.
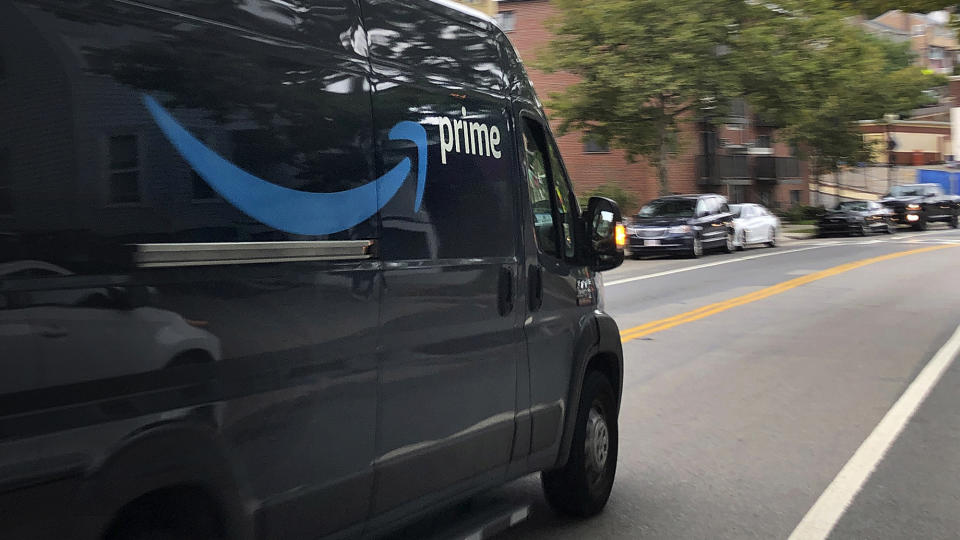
x=712 y=309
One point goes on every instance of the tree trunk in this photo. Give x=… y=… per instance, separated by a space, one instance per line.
x=662 y=174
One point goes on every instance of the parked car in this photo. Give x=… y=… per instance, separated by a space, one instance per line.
x=77 y=324
x=857 y=217
x=917 y=205
x=753 y=224
x=366 y=211
x=681 y=224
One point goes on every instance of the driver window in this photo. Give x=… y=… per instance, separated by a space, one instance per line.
x=701 y=208
x=538 y=186
x=554 y=207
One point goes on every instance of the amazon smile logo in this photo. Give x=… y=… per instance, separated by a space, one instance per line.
x=291 y=210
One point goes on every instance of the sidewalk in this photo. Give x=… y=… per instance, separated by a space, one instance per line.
x=799 y=232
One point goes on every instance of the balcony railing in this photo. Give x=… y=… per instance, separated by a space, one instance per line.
x=734 y=169
x=776 y=168
x=716 y=168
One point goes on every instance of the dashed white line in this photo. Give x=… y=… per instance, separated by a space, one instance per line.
x=834 y=501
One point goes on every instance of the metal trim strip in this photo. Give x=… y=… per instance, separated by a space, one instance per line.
x=225 y=253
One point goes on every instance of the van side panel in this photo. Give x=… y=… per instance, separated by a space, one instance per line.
x=450 y=335
x=151 y=294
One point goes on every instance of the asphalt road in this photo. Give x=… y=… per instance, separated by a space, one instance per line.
x=737 y=418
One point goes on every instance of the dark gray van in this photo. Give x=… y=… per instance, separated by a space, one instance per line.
x=287 y=270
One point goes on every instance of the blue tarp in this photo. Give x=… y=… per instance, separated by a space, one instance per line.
x=949 y=181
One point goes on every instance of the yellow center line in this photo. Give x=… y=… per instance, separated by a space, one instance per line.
x=717 y=307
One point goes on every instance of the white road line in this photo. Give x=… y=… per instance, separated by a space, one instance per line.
x=709 y=265
x=834 y=501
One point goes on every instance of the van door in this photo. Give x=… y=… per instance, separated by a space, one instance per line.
x=205 y=274
x=450 y=341
x=561 y=295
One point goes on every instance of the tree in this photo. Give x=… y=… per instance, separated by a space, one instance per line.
x=644 y=66
x=874 y=8
x=817 y=75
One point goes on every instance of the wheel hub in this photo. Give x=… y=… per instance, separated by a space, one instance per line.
x=597 y=441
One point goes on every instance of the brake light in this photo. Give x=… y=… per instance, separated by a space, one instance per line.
x=621 y=236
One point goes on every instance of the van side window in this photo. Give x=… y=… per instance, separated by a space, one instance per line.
x=538 y=186
x=554 y=207
x=566 y=203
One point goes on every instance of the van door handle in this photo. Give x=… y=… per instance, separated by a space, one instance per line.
x=505 y=291
x=536 y=287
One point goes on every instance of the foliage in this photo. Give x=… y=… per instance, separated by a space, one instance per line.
x=801 y=214
x=643 y=65
x=647 y=66
x=874 y=8
x=817 y=75
x=625 y=200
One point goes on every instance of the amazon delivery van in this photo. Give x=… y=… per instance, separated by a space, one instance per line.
x=288 y=270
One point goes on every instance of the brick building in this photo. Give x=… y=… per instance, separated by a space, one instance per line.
x=740 y=159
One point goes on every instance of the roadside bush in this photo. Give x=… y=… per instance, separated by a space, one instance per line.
x=625 y=200
x=801 y=212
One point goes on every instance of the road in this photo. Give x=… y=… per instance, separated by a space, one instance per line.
x=737 y=417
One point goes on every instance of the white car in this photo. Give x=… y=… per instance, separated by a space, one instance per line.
x=753 y=224
x=89 y=333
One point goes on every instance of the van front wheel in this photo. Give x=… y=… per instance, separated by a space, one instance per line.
x=581 y=488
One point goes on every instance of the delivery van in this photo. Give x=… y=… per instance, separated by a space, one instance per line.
x=295 y=269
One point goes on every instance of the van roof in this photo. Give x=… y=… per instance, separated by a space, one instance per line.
x=467 y=10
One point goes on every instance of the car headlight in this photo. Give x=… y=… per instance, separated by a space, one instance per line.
x=913 y=206
x=680 y=229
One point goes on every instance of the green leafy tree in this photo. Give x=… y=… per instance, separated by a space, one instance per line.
x=817 y=75
x=873 y=8
x=644 y=67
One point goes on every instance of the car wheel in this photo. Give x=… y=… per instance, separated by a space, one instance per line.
x=772 y=242
x=728 y=246
x=954 y=221
x=741 y=240
x=697 y=250
x=582 y=486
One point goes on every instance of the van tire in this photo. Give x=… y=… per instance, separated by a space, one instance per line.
x=581 y=487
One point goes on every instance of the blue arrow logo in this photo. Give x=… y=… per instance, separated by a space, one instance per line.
x=291 y=210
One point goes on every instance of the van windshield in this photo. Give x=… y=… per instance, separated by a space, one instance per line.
x=668 y=208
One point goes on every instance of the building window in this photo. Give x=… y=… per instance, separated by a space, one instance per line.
x=763 y=141
x=6 y=183
x=936 y=53
x=794 y=196
x=592 y=145
x=124 y=169
x=507 y=20
x=738 y=194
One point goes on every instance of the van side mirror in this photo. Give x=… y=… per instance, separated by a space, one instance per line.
x=606 y=234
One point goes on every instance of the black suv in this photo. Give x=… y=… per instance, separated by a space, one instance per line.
x=684 y=224
x=919 y=204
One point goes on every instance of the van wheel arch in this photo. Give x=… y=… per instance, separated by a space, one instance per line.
x=605 y=355
x=148 y=468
